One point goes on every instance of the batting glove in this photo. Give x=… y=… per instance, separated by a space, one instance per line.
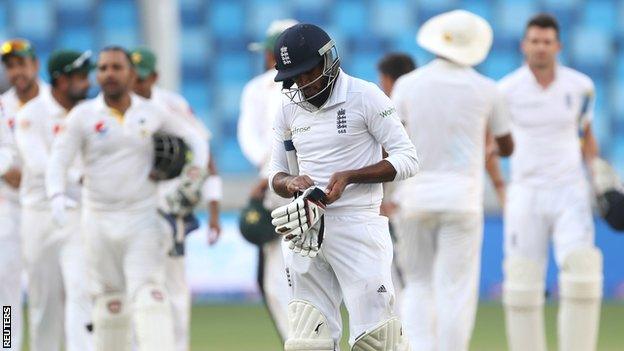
x=300 y=222
x=188 y=194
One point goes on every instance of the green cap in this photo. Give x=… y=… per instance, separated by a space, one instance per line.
x=68 y=61
x=276 y=28
x=17 y=47
x=144 y=61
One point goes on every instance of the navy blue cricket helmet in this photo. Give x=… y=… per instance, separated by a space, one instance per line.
x=299 y=49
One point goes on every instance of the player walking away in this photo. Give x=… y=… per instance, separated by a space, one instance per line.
x=58 y=298
x=261 y=99
x=339 y=125
x=126 y=240
x=391 y=67
x=549 y=197
x=144 y=61
x=447 y=107
x=22 y=69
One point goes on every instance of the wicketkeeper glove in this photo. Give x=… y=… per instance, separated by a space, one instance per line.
x=301 y=221
x=188 y=194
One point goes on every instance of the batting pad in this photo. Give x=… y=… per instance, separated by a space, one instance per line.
x=581 y=292
x=153 y=321
x=111 y=323
x=386 y=336
x=308 y=329
x=523 y=299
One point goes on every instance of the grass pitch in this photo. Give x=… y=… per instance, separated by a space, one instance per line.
x=249 y=328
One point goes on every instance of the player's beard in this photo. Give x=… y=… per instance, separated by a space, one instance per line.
x=114 y=90
x=77 y=95
x=29 y=83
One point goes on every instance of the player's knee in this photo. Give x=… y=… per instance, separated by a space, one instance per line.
x=111 y=323
x=385 y=336
x=308 y=328
x=151 y=297
x=581 y=274
x=524 y=282
x=153 y=318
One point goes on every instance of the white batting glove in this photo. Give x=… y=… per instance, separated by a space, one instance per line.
x=300 y=221
x=59 y=205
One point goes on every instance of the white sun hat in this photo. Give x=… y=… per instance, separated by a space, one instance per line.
x=458 y=35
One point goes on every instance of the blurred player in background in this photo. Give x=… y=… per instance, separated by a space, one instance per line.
x=22 y=69
x=389 y=69
x=127 y=241
x=447 y=108
x=260 y=101
x=549 y=197
x=339 y=125
x=144 y=61
x=58 y=298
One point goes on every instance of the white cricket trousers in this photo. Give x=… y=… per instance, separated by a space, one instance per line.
x=354 y=265
x=126 y=250
x=59 y=304
x=11 y=268
x=439 y=256
x=180 y=297
x=275 y=288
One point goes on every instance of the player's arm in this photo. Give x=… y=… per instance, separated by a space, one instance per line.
x=385 y=126
x=499 y=124
x=492 y=166
x=589 y=147
x=213 y=192
x=251 y=141
x=6 y=152
x=64 y=149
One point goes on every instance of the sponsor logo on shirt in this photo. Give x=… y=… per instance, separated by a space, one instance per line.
x=298 y=130
x=100 y=128
x=341 y=121
x=387 y=112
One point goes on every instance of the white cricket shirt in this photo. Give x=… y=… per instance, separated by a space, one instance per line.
x=347 y=133
x=260 y=102
x=9 y=105
x=545 y=125
x=117 y=152
x=36 y=126
x=447 y=108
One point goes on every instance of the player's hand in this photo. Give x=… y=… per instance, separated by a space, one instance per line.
x=13 y=177
x=388 y=208
x=336 y=186
x=500 y=194
x=298 y=184
x=214 y=231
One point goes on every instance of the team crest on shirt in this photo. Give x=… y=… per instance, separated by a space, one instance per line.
x=101 y=128
x=57 y=129
x=11 y=123
x=341 y=121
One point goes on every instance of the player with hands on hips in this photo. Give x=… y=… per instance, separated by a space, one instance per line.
x=338 y=126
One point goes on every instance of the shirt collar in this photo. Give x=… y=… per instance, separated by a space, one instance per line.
x=339 y=95
x=100 y=104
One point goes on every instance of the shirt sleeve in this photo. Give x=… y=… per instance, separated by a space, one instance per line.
x=385 y=125
x=183 y=129
x=6 y=152
x=499 y=119
x=65 y=147
x=588 y=102
x=251 y=141
x=278 y=162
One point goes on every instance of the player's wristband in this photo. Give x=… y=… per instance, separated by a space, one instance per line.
x=213 y=188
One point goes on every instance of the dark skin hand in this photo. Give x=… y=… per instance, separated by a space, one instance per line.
x=383 y=171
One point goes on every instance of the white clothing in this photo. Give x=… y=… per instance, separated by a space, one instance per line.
x=37 y=125
x=59 y=304
x=546 y=124
x=260 y=102
x=347 y=133
x=446 y=109
x=439 y=256
x=353 y=266
x=117 y=153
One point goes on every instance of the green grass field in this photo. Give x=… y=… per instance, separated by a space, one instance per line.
x=248 y=328
x=236 y=327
